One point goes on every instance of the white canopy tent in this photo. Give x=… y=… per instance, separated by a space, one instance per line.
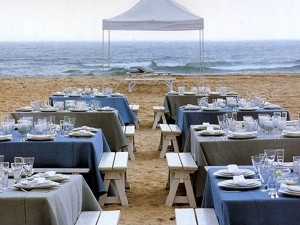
x=155 y=15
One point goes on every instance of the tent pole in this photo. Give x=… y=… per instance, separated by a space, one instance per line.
x=201 y=55
x=102 y=60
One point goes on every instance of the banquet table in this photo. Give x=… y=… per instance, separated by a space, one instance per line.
x=214 y=151
x=63 y=152
x=173 y=102
x=110 y=122
x=250 y=206
x=56 y=206
x=185 y=118
x=118 y=102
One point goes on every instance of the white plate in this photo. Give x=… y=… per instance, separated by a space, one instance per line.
x=6 y=137
x=24 y=109
x=192 y=107
x=91 y=129
x=49 y=109
x=39 y=137
x=247 y=109
x=214 y=93
x=78 y=134
x=100 y=95
x=226 y=174
x=58 y=93
x=242 y=136
x=230 y=185
x=288 y=192
x=189 y=93
x=55 y=177
x=214 y=133
x=291 y=134
x=77 y=110
x=74 y=95
x=204 y=127
x=117 y=95
x=106 y=109
x=211 y=108
x=39 y=186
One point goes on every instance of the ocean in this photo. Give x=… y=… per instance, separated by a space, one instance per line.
x=38 y=59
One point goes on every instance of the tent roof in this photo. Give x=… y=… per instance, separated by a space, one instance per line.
x=160 y=15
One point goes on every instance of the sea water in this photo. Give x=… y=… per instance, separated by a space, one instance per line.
x=32 y=59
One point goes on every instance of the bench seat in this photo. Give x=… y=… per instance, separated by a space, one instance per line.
x=99 y=217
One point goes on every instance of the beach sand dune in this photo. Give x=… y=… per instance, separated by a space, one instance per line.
x=148 y=174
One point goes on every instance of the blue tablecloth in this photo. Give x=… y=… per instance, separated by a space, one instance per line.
x=249 y=207
x=185 y=118
x=64 y=152
x=120 y=103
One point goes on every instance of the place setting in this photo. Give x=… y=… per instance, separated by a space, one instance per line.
x=239 y=182
x=50 y=175
x=210 y=131
x=233 y=170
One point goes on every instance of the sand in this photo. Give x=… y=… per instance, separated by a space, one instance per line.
x=147 y=175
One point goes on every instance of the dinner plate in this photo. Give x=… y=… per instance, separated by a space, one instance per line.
x=45 y=185
x=189 y=93
x=204 y=127
x=39 y=137
x=79 y=134
x=100 y=95
x=211 y=133
x=24 y=109
x=289 y=192
x=58 y=93
x=106 y=109
x=78 y=110
x=291 y=133
x=6 y=138
x=247 y=109
x=74 y=95
x=242 y=135
x=251 y=183
x=226 y=174
x=51 y=109
x=117 y=95
x=172 y=93
x=56 y=177
x=91 y=129
x=211 y=108
x=191 y=107
x=214 y=93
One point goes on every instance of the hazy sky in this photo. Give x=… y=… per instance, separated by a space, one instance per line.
x=54 y=20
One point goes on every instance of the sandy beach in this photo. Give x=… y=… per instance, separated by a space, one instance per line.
x=147 y=175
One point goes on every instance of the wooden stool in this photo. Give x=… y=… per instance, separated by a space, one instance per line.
x=114 y=165
x=129 y=133
x=181 y=165
x=169 y=133
x=189 y=216
x=159 y=113
x=135 y=109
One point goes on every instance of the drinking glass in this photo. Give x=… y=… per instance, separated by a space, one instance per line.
x=62 y=128
x=1 y=158
x=181 y=90
x=270 y=156
x=281 y=124
x=4 y=174
x=284 y=114
x=296 y=159
x=28 y=165
x=72 y=123
x=17 y=170
x=256 y=161
x=280 y=158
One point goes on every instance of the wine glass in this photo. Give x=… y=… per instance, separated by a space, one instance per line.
x=256 y=161
x=270 y=156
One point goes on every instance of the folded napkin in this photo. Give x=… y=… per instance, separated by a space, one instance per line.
x=290 y=187
x=243 y=134
x=47 y=174
x=34 y=182
x=190 y=106
x=240 y=180
x=233 y=168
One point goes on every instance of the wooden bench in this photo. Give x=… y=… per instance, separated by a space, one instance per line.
x=98 y=218
x=114 y=165
x=201 y=216
x=159 y=113
x=181 y=165
x=63 y=170
x=135 y=109
x=129 y=133
x=169 y=133
x=166 y=80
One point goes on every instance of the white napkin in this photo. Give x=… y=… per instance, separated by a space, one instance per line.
x=190 y=106
x=47 y=174
x=243 y=134
x=233 y=168
x=240 y=180
x=34 y=182
x=290 y=187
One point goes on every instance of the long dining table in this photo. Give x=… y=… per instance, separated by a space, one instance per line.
x=172 y=102
x=214 y=151
x=59 y=205
x=248 y=206
x=62 y=152
x=187 y=117
x=119 y=102
x=110 y=122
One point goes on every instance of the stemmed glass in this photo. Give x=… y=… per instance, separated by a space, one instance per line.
x=256 y=161
x=281 y=124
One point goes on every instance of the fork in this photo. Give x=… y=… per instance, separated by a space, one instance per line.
x=276 y=195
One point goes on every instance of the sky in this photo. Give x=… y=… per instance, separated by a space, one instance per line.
x=81 y=20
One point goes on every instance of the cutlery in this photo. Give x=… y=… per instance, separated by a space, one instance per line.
x=276 y=195
x=24 y=190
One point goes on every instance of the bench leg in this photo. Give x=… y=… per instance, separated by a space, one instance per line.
x=190 y=193
x=130 y=148
x=165 y=142
x=172 y=193
x=175 y=144
x=103 y=198
x=156 y=120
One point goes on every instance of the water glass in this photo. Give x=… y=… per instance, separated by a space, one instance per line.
x=17 y=170
x=256 y=161
x=1 y=158
x=28 y=165
x=296 y=159
x=270 y=156
x=181 y=90
x=280 y=158
x=4 y=174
